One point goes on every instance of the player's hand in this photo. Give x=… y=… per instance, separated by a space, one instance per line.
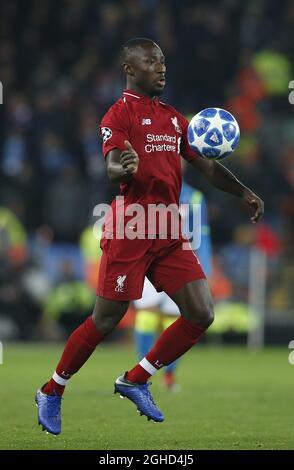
x=129 y=159
x=256 y=203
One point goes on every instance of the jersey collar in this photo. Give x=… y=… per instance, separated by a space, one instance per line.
x=135 y=96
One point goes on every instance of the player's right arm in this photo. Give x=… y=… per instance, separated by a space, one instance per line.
x=121 y=158
x=121 y=166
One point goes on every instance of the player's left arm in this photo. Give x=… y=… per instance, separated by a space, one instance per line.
x=223 y=179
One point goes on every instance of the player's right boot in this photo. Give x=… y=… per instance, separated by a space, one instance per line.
x=49 y=412
x=140 y=395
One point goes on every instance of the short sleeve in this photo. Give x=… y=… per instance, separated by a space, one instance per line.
x=114 y=129
x=186 y=151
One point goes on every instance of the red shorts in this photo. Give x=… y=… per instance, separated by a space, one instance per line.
x=125 y=263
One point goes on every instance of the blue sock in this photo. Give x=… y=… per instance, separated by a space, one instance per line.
x=144 y=342
x=171 y=367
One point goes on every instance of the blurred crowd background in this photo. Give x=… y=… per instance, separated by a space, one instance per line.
x=59 y=70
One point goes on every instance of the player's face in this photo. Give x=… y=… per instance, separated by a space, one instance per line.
x=149 y=69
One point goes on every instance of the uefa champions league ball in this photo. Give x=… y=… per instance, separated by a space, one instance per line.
x=213 y=133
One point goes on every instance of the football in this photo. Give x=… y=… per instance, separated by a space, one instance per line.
x=213 y=133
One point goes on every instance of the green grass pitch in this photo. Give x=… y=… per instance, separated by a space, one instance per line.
x=230 y=399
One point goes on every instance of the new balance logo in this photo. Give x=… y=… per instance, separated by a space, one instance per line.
x=158 y=364
x=146 y=122
x=120 y=283
x=65 y=375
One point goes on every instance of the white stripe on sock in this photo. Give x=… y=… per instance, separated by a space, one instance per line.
x=59 y=380
x=147 y=366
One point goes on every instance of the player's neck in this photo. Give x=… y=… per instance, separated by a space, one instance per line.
x=138 y=90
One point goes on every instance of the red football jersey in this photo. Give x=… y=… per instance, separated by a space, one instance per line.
x=158 y=133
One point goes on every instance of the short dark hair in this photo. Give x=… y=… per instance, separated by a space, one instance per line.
x=129 y=46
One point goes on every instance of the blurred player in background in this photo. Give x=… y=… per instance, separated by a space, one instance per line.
x=156 y=311
x=143 y=141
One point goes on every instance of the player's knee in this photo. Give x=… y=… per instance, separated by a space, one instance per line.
x=105 y=324
x=209 y=316
x=107 y=320
x=204 y=316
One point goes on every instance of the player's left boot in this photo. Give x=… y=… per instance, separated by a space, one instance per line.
x=49 y=412
x=140 y=395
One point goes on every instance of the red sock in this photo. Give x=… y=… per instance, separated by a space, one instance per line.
x=169 y=379
x=171 y=344
x=78 y=349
